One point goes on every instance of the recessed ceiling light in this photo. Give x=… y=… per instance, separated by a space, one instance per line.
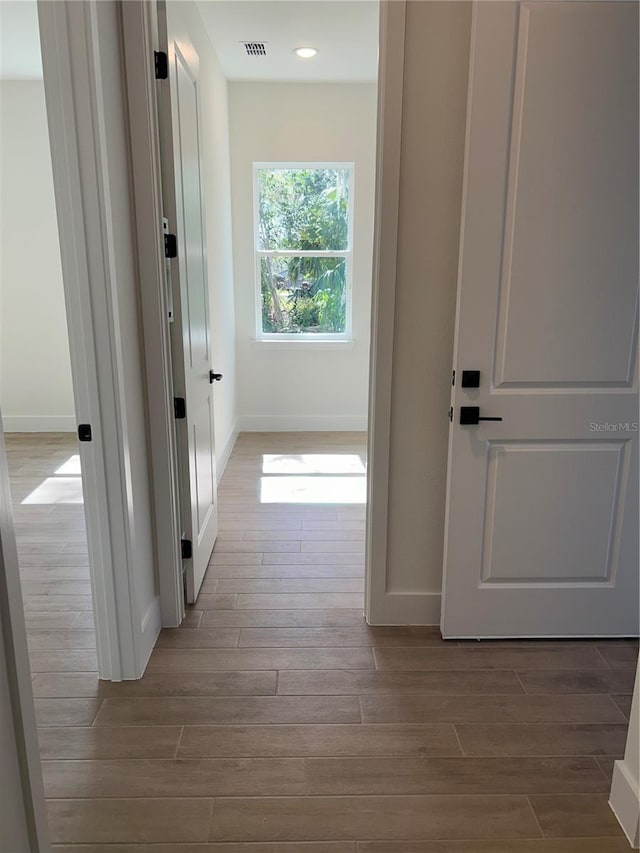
x=305 y=52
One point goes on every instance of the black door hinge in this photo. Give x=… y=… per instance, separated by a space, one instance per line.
x=179 y=408
x=170 y=246
x=186 y=548
x=84 y=432
x=161 y=64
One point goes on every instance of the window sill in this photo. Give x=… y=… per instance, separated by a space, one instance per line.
x=285 y=344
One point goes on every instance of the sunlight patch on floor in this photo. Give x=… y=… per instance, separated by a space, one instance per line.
x=312 y=463
x=71 y=466
x=313 y=490
x=57 y=490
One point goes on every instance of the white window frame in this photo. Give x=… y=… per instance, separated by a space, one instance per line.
x=304 y=338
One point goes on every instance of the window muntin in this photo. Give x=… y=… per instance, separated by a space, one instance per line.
x=303 y=237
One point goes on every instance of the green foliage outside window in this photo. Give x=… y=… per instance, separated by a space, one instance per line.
x=303 y=210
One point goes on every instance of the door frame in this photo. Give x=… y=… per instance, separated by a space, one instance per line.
x=22 y=769
x=381 y=606
x=73 y=44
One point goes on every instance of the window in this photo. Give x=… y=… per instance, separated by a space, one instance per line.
x=303 y=236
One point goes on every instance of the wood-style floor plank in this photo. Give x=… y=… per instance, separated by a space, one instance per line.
x=215 y=711
x=66 y=712
x=361 y=635
x=417 y=741
x=487 y=709
x=208 y=660
x=607 y=763
x=355 y=818
x=283 y=618
x=96 y=742
x=570 y=657
x=575 y=814
x=160 y=778
x=198 y=638
x=397 y=684
x=579 y=681
x=291 y=585
x=370 y=776
x=314 y=571
x=302 y=601
x=623 y=701
x=559 y=739
x=61 y=640
x=278 y=847
x=569 y=845
x=63 y=660
x=129 y=820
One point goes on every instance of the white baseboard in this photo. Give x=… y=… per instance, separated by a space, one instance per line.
x=225 y=453
x=151 y=627
x=302 y=423
x=625 y=802
x=39 y=423
x=407 y=608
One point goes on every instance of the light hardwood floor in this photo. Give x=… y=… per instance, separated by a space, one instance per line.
x=276 y=721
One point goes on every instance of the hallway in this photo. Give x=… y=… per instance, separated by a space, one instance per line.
x=276 y=721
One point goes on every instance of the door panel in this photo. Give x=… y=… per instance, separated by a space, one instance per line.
x=205 y=482
x=195 y=312
x=191 y=345
x=586 y=532
x=542 y=506
x=570 y=216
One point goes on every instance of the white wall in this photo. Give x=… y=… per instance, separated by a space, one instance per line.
x=433 y=136
x=295 y=385
x=35 y=372
x=214 y=117
x=436 y=62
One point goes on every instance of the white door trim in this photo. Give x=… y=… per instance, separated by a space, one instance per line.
x=624 y=798
x=378 y=606
x=72 y=53
x=23 y=775
x=140 y=35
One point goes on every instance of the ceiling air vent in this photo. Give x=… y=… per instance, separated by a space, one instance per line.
x=255 y=48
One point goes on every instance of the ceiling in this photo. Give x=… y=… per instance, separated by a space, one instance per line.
x=19 y=41
x=344 y=32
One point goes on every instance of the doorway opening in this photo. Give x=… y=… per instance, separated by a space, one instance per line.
x=285 y=140
x=36 y=388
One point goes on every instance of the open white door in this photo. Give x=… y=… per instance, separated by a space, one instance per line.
x=542 y=511
x=191 y=345
x=87 y=118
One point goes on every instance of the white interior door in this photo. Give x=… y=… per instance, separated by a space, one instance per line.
x=542 y=511
x=191 y=344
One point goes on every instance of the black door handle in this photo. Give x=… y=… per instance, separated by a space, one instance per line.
x=470 y=416
x=214 y=377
